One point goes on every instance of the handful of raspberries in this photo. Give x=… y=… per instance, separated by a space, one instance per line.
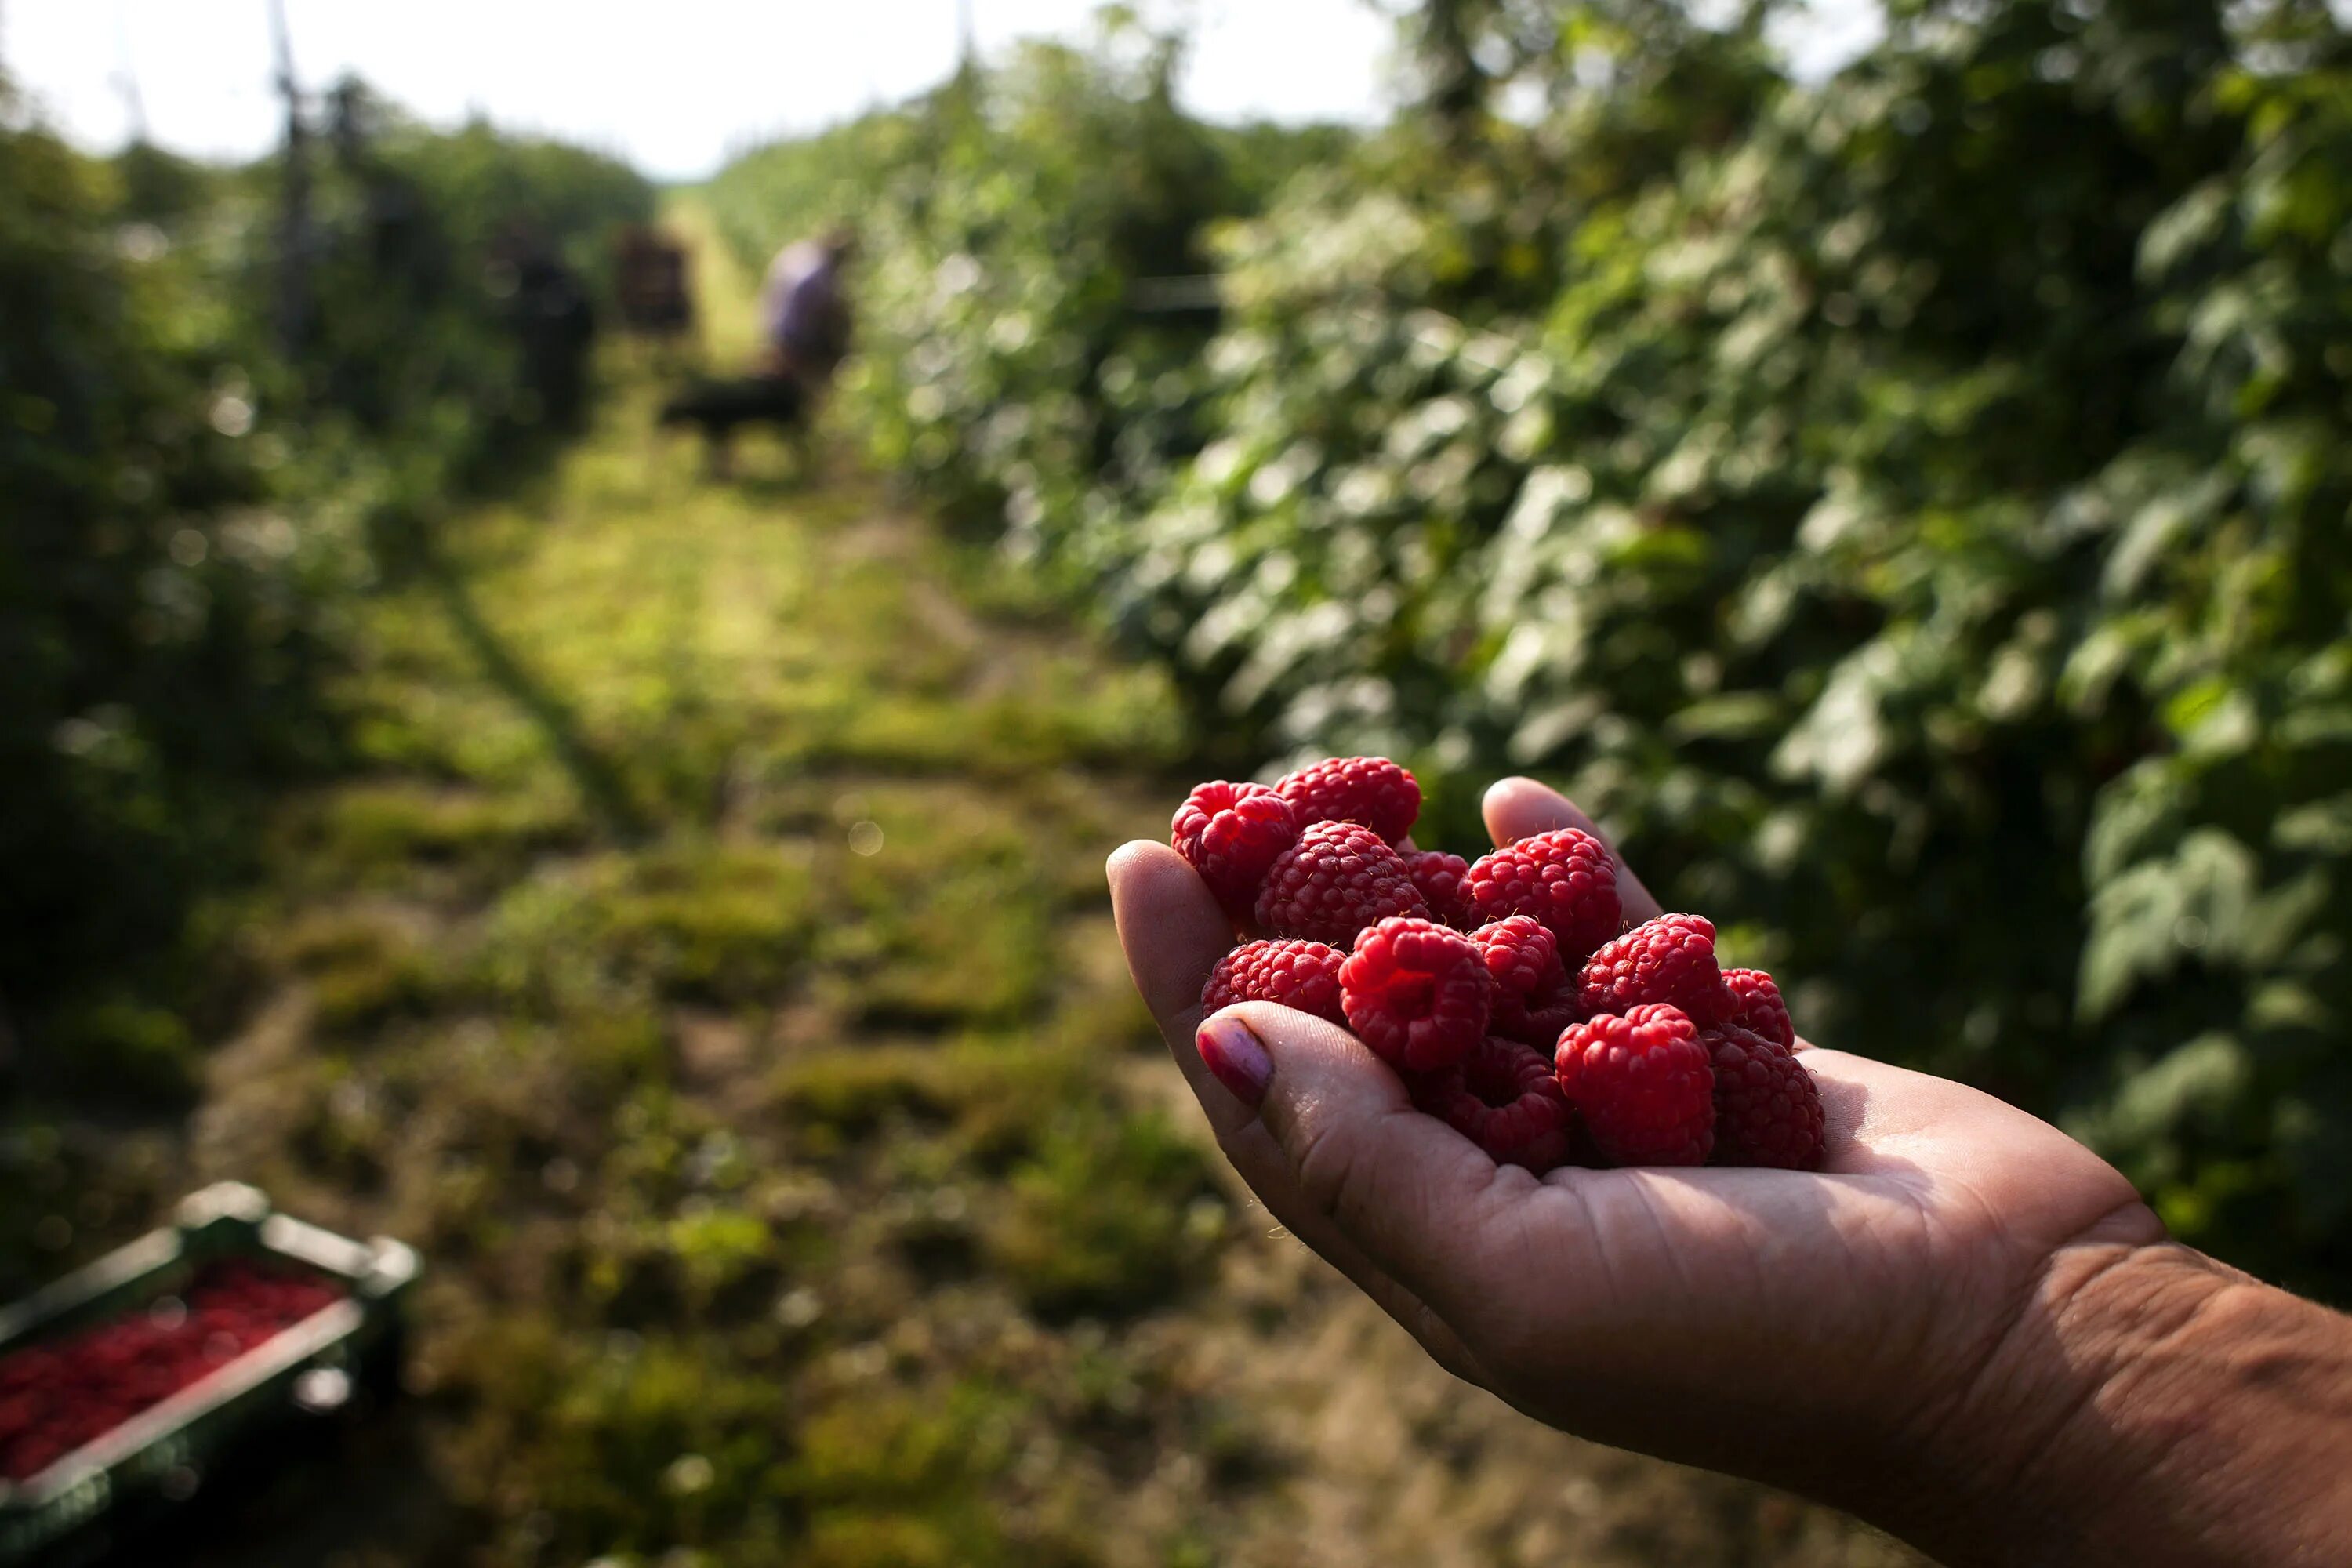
x=1505 y=992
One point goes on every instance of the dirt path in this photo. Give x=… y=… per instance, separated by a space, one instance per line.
x=709 y=972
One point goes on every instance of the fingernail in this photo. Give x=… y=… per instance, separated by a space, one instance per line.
x=1234 y=1055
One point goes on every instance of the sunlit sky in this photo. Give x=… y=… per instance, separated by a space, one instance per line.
x=674 y=86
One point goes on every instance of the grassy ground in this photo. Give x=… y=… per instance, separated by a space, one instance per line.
x=709 y=972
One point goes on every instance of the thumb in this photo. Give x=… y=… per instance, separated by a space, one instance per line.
x=1415 y=1196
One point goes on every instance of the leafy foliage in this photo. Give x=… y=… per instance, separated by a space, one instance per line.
x=447 y=301
x=1017 y=222
x=152 y=638
x=176 y=560
x=1910 y=511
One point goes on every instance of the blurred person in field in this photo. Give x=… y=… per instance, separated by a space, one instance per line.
x=804 y=310
x=804 y=320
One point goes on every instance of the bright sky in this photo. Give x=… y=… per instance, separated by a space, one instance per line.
x=675 y=87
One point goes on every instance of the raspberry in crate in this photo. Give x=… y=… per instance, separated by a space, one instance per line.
x=190 y=1359
x=59 y=1395
x=1509 y=992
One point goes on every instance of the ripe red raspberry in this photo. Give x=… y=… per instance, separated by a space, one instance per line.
x=1644 y=1085
x=1301 y=974
x=1415 y=992
x=1670 y=959
x=1757 y=1004
x=1523 y=959
x=1372 y=791
x=60 y=1394
x=1338 y=879
x=1444 y=882
x=1504 y=1097
x=1231 y=833
x=1564 y=878
x=1768 y=1110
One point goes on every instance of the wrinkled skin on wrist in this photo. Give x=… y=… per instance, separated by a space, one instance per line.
x=2155 y=1407
x=1889 y=1333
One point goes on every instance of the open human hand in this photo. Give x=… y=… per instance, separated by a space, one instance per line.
x=1879 y=1333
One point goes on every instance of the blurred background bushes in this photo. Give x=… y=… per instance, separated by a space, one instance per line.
x=208 y=449
x=1910 y=510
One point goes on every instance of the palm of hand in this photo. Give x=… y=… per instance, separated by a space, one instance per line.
x=1685 y=1312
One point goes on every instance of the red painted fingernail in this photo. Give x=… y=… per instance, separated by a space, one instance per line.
x=1231 y=1052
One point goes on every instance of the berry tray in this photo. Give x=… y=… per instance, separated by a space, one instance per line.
x=121 y=1384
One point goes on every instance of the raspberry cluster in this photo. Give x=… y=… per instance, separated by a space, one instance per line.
x=1507 y=992
x=58 y=1395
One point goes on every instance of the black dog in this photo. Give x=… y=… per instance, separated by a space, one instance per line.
x=718 y=407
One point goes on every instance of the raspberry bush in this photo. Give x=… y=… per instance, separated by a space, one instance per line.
x=1909 y=507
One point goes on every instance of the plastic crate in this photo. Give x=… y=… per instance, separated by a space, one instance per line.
x=149 y=1463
